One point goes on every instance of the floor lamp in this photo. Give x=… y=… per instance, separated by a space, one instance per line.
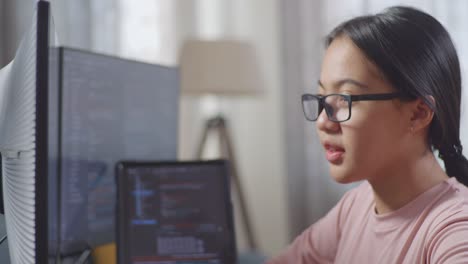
x=222 y=68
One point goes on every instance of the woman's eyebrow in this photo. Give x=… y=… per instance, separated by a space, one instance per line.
x=340 y=83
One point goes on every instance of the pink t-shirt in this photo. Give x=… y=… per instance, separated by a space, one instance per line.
x=433 y=228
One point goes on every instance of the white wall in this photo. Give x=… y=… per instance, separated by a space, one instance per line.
x=260 y=133
x=256 y=123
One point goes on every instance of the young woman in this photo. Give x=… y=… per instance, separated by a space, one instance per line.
x=388 y=96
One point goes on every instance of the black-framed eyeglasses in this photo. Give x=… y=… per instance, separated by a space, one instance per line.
x=338 y=106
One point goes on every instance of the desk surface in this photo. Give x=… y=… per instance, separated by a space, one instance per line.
x=106 y=255
x=251 y=258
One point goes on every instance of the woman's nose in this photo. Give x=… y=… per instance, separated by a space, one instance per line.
x=324 y=124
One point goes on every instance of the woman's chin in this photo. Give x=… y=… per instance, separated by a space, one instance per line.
x=341 y=175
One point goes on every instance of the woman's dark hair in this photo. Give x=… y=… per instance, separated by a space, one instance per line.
x=415 y=54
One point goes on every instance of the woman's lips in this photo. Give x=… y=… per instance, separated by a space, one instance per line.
x=334 y=154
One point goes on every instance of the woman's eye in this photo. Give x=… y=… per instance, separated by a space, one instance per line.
x=343 y=102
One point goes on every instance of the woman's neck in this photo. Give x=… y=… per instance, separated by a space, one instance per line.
x=400 y=186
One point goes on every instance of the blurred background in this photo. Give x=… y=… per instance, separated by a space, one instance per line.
x=281 y=165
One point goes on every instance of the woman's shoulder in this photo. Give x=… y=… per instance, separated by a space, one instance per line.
x=450 y=209
x=454 y=200
x=449 y=225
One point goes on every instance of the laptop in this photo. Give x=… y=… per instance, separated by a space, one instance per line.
x=174 y=213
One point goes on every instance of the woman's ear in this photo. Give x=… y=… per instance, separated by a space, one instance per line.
x=422 y=113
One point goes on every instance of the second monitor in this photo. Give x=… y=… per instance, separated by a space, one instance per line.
x=174 y=212
x=102 y=109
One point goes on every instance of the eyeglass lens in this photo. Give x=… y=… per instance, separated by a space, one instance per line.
x=336 y=106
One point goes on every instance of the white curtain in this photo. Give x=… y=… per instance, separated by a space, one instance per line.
x=311 y=192
x=15 y=18
x=2 y=34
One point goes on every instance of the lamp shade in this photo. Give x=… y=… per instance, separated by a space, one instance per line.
x=221 y=67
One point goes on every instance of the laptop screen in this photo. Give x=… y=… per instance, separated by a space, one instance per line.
x=175 y=212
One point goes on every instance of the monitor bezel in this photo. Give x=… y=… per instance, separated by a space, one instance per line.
x=41 y=144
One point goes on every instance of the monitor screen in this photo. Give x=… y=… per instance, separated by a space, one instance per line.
x=175 y=212
x=102 y=109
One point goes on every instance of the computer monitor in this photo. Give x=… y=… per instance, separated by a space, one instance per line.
x=23 y=142
x=174 y=212
x=102 y=109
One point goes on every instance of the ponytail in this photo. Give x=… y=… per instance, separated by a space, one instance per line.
x=456 y=165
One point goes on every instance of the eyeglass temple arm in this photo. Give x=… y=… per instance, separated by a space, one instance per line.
x=375 y=97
